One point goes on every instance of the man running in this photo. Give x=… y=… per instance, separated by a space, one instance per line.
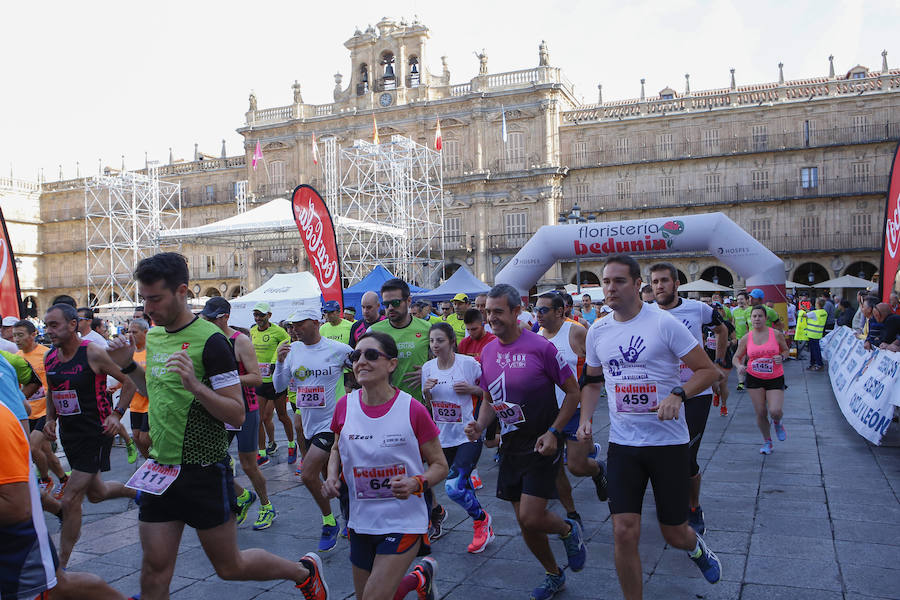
x=140 y=425
x=334 y=327
x=370 y=315
x=639 y=350
x=316 y=364
x=695 y=316
x=193 y=385
x=460 y=305
x=476 y=335
x=76 y=371
x=520 y=369
x=266 y=338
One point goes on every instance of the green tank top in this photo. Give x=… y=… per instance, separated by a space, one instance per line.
x=266 y=345
x=412 y=345
x=741 y=316
x=181 y=430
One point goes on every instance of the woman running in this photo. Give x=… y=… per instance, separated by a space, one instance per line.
x=727 y=362
x=765 y=350
x=383 y=439
x=450 y=384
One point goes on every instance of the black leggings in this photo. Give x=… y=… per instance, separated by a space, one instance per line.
x=696 y=413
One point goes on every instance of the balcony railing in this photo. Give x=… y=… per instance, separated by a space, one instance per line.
x=278 y=255
x=200 y=271
x=508 y=241
x=726 y=146
x=840 y=242
x=272 y=190
x=730 y=194
x=456 y=242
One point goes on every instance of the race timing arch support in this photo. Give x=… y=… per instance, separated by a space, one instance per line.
x=643 y=238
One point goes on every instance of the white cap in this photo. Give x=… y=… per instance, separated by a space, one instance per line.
x=305 y=312
x=9 y=321
x=605 y=309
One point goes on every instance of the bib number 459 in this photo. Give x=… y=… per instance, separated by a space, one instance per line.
x=636 y=399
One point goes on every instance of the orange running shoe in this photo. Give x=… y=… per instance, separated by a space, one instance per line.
x=314 y=588
x=59 y=488
x=723 y=412
x=715 y=399
x=484 y=533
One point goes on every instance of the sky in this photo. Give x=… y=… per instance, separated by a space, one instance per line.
x=92 y=81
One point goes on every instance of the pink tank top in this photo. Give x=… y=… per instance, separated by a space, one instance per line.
x=761 y=358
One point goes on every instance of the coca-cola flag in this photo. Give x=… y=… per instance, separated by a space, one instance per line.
x=10 y=294
x=317 y=230
x=890 y=255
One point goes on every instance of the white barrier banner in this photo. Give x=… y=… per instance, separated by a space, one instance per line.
x=864 y=382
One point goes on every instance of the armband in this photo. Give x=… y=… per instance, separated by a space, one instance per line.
x=589 y=379
x=559 y=434
x=423 y=485
x=130 y=367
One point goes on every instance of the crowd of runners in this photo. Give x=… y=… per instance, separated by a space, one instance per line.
x=384 y=410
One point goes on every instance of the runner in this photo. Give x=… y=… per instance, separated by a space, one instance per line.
x=193 y=385
x=370 y=312
x=266 y=338
x=76 y=372
x=411 y=336
x=292 y=398
x=140 y=425
x=581 y=456
x=727 y=362
x=384 y=438
x=639 y=351
x=450 y=384
x=520 y=369
x=695 y=316
x=765 y=351
x=334 y=327
x=588 y=310
x=456 y=320
x=315 y=366
x=477 y=337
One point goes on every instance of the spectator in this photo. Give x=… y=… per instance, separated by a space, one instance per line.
x=872 y=327
x=859 y=320
x=587 y=309
x=845 y=316
x=890 y=326
x=895 y=303
x=647 y=294
x=829 y=309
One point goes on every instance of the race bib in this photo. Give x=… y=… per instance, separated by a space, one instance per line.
x=293 y=385
x=310 y=396
x=684 y=372
x=153 y=478
x=374 y=483
x=508 y=413
x=446 y=412
x=637 y=398
x=37 y=396
x=66 y=402
x=763 y=365
x=265 y=369
x=711 y=342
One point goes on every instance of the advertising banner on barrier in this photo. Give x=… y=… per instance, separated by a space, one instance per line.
x=314 y=222
x=864 y=382
x=10 y=294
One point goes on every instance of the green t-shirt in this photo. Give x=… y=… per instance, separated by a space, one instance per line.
x=339 y=332
x=266 y=345
x=182 y=431
x=459 y=327
x=412 y=345
x=24 y=373
x=741 y=321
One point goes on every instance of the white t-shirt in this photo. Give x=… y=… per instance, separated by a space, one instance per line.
x=315 y=370
x=640 y=361
x=694 y=315
x=95 y=338
x=451 y=411
x=561 y=341
x=8 y=346
x=526 y=319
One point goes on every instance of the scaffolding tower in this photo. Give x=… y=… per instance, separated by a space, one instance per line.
x=394 y=191
x=124 y=214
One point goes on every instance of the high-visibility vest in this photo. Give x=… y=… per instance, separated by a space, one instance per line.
x=800 y=333
x=815 y=323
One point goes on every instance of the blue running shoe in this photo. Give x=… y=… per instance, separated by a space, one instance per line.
x=779 y=431
x=552 y=584
x=329 y=537
x=708 y=563
x=766 y=447
x=595 y=452
x=695 y=520
x=576 y=551
x=243 y=508
x=345 y=533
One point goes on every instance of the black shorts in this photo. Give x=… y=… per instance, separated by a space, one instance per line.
x=628 y=468
x=766 y=384
x=323 y=440
x=37 y=424
x=248 y=436
x=267 y=391
x=137 y=421
x=532 y=474
x=364 y=546
x=201 y=497
x=88 y=454
x=145 y=423
x=696 y=413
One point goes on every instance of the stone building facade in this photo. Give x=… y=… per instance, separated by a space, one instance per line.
x=801 y=165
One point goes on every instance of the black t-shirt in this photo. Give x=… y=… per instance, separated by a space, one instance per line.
x=890 y=327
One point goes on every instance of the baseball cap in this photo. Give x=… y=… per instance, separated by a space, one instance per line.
x=302 y=314
x=757 y=293
x=605 y=309
x=331 y=306
x=460 y=297
x=215 y=307
x=262 y=307
x=9 y=321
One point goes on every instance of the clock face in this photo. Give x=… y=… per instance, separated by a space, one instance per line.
x=385 y=99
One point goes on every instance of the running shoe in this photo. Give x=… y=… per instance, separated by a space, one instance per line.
x=261 y=460
x=779 y=431
x=766 y=448
x=595 y=451
x=576 y=551
x=314 y=588
x=243 y=508
x=132 y=452
x=600 y=482
x=425 y=572
x=475 y=478
x=272 y=448
x=497 y=456
x=59 y=488
x=299 y=470
x=575 y=517
x=740 y=387
x=552 y=584
x=436 y=528
x=708 y=563
x=723 y=411
x=266 y=515
x=45 y=486
x=695 y=520
x=715 y=399
x=292 y=455
x=484 y=534
x=329 y=537
x=345 y=533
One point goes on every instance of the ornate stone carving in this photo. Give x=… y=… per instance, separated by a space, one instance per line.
x=298 y=97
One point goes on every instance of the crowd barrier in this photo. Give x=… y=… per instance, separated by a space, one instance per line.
x=864 y=382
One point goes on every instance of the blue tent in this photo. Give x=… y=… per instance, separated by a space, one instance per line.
x=461 y=281
x=371 y=283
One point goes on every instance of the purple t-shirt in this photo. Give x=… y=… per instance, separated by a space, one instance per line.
x=523 y=373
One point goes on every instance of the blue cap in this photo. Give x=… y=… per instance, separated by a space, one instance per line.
x=758 y=294
x=331 y=306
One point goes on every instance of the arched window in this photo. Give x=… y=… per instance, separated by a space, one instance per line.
x=389 y=80
x=413 y=78
x=363 y=86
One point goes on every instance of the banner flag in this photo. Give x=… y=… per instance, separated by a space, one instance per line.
x=10 y=293
x=315 y=151
x=314 y=223
x=503 y=133
x=890 y=252
x=374 y=130
x=438 y=142
x=257 y=155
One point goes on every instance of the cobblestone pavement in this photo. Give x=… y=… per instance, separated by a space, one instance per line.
x=818 y=519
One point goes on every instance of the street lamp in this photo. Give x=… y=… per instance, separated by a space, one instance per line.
x=573 y=219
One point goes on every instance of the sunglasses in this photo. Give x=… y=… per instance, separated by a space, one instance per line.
x=393 y=303
x=542 y=310
x=370 y=354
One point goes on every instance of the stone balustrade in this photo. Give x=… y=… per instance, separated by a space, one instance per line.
x=18 y=185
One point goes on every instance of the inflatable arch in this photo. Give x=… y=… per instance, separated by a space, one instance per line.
x=713 y=232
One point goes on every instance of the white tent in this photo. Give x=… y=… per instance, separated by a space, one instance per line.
x=701 y=285
x=847 y=281
x=285 y=293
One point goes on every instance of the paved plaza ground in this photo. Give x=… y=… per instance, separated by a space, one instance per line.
x=817 y=520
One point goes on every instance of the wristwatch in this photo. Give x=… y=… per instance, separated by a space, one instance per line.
x=559 y=434
x=119 y=412
x=720 y=362
x=679 y=391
